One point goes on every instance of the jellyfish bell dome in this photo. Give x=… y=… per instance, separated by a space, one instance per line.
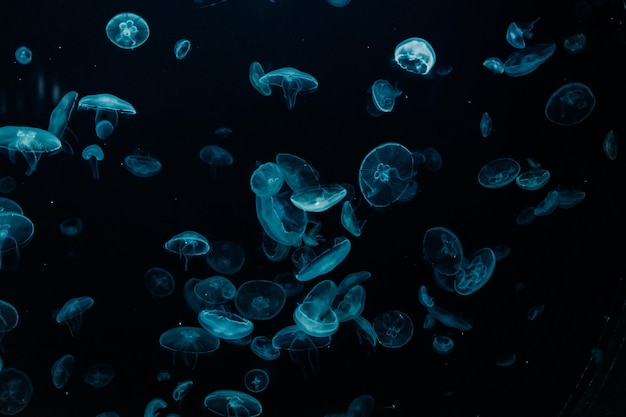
x=30 y=142
x=106 y=101
x=570 y=104
x=127 y=30
x=16 y=230
x=415 y=55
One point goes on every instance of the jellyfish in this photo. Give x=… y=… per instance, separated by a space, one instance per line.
x=449 y=319
x=224 y=324
x=256 y=380
x=16 y=230
x=214 y=291
x=475 y=272
x=326 y=261
x=71 y=314
x=10 y=206
x=298 y=173
x=153 y=407
x=223 y=131
x=494 y=65
x=181 y=390
x=527 y=60
x=60 y=117
x=71 y=227
x=256 y=73
x=443 y=344
x=106 y=122
x=533 y=179
x=225 y=257
x=188 y=244
x=267 y=180
x=216 y=157
x=516 y=35
x=486 y=125
x=229 y=403
x=142 y=166
x=281 y=220
x=262 y=347
x=94 y=154
x=415 y=55
x=610 y=145
x=62 y=370
x=23 y=55
x=350 y=221
x=292 y=81
x=182 y=48
x=443 y=249
x=9 y=318
x=108 y=108
x=188 y=342
x=393 y=328
x=319 y=198
x=575 y=44
x=127 y=30
x=339 y=3
x=159 y=281
x=570 y=104
x=350 y=305
x=30 y=142
x=260 y=299
x=498 y=173
x=99 y=375
x=16 y=391
x=302 y=347
x=385 y=174
x=7 y=184
x=383 y=96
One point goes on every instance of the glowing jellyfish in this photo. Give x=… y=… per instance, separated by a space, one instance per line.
x=9 y=318
x=610 y=145
x=181 y=390
x=298 y=173
x=160 y=282
x=339 y=3
x=188 y=244
x=60 y=117
x=575 y=44
x=383 y=96
x=262 y=347
x=182 y=48
x=142 y=166
x=256 y=380
x=475 y=272
x=94 y=154
x=71 y=314
x=16 y=230
x=188 y=343
x=527 y=60
x=486 y=125
x=326 y=261
x=549 y=203
x=106 y=101
x=393 y=328
x=447 y=318
x=30 y=142
x=350 y=221
x=23 y=55
x=280 y=219
x=16 y=391
x=99 y=375
x=260 y=299
x=494 y=65
x=216 y=157
x=315 y=315
x=127 y=30
x=71 y=227
x=267 y=180
x=415 y=55
x=443 y=344
x=62 y=370
x=385 y=174
x=517 y=34
x=292 y=81
x=570 y=104
x=229 y=403
x=8 y=205
x=350 y=305
x=533 y=179
x=153 y=407
x=320 y=198
x=498 y=173
x=224 y=324
x=213 y=291
x=443 y=249
x=255 y=75
x=225 y=257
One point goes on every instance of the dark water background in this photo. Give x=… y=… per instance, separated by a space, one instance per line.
x=572 y=260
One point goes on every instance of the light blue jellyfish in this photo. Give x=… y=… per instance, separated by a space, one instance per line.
x=302 y=348
x=71 y=227
x=188 y=343
x=443 y=250
x=232 y=403
x=383 y=97
x=16 y=230
x=71 y=314
x=142 y=166
x=9 y=318
x=10 y=206
x=280 y=219
x=494 y=65
x=549 y=203
x=516 y=34
x=339 y=3
x=99 y=375
x=349 y=305
x=298 y=173
x=320 y=198
x=216 y=157
x=188 y=244
x=527 y=60
x=224 y=324
x=326 y=261
x=450 y=319
x=260 y=299
x=292 y=81
x=225 y=257
x=415 y=55
x=60 y=117
x=315 y=315
x=267 y=179
x=498 y=173
x=575 y=44
x=32 y=143
x=350 y=221
x=182 y=48
x=424 y=298
x=108 y=107
x=475 y=272
x=214 y=291
x=159 y=282
x=486 y=125
x=256 y=380
x=16 y=391
x=181 y=390
x=533 y=179
x=255 y=75
x=393 y=328
x=94 y=154
x=153 y=407
x=62 y=370
x=127 y=30
x=610 y=145
x=23 y=55
x=443 y=344
x=262 y=347
x=570 y=104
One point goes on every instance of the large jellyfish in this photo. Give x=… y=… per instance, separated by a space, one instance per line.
x=30 y=142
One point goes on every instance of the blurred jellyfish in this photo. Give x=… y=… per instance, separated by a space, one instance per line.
x=517 y=34
x=16 y=391
x=494 y=65
x=188 y=244
x=142 y=166
x=575 y=44
x=16 y=230
x=62 y=370
x=160 y=282
x=99 y=375
x=71 y=227
x=486 y=125
x=216 y=157
x=394 y=329
x=71 y=314
x=225 y=257
x=256 y=380
x=23 y=55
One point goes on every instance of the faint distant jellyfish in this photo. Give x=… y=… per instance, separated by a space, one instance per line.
x=260 y=299
x=182 y=48
x=443 y=249
x=16 y=230
x=62 y=370
x=449 y=319
x=223 y=131
x=575 y=44
x=16 y=391
x=7 y=184
x=71 y=227
x=216 y=157
x=385 y=173
x=32 y=143
x=292 y=81
x=94 y=154
x=160 y=282
x=106 y=122
x=570 y=197
x=9 y=318
x=339 y=3
x=230 y=403
x=256 y=380
x=494 y=65
x=267 y=180
x=548 y=204
x=142 y=166
x=498 y=173
x=23 y=55
x=181 y=390
x=535 y=311
x=188 y=343
x=610 y=145
x=486 y=125
x=394 y=329
x=71 y=314
x=60 y=117
x=255 y=74
x=516 y=35
x=298 y=172
x=262 y=347
x=188 y=244
x=443 y=344
x=163 y=376
x=10 y=206
x=225 y=257
x=415 y=55
x=383 y=96
x=99 y=375
x=127 y=30
x=527 y=60
x=570 y=104
x=153 y=407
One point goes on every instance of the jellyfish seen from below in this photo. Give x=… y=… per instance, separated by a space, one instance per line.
x=494 y=65
x=517 y=34
x=224 y=324
x=23 y=55
x=610 y=145
x=16 y=230
x=181 y=390
x=443 y=250
x=16 y=391
x=393 y=328
x=60 y=117
x=256 y=380
x=159 y=282
x=225 y=257
x=188 y=343
x=231 y=403
x=385 y=174
x=255 y=74
x=216 y=157
x=32 y=143
x=188 y=244
x=527 y=60
x=260 y=299
x=267 y=180
x=94 y=154
x=415 y=55
x=214 y=291
x=71 y=227
x=62 y=370
x=71 y=314
x=570 y=104
x=127 y=30
x=292 y=81
x=182 y=48
x=498 y=173
x=575 y=44
x=383 y=96
x=99 y=375
x=142 y=166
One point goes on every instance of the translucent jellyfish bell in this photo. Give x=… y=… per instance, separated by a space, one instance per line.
x=443 y=249
x=72 y=312
x=188 y=343
x=60 y=117
x=393 y=328
x=182 y=48
x=23 y=55
x=570 y=104
x=142 y=166
x=415 y=55
x=498 y=173
x=292 y=81
x=93 y=153
x=517 y=34
x=16 y=230
x=383 y=96
x=127 y=30
x=188 y=244
x=30 y=142
x=216 y=157
x=260 y=299
x=230 y=403
x=527 y=60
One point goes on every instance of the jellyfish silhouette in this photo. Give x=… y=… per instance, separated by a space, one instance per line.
x=30 y=142
x=23 y=55
x=385 y=174
x=142 y=166
x=71 y=314
x=415 y=55
x=108 y=108
x=16 y=230
x=16 y=391
x=216 y=157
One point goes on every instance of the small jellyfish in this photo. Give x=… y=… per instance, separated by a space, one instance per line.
x=383 y=97
x=292 y=81
x=415 y=55
x=216 y=157
x=517 y=34
x=256 y=380
x=486 y=125
x=71 y=227
x=494 y=65
x=99 y=375
x=23 y=55
x=575 y=44
x=127 y=30
x=527 y=60
x=94 y=154
x=72 y=312
x=188 y=244
x=393 y=328
x=182 y=48
x=160 y=282
x=142 y=166
x=498 y=173
x=610 y=145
